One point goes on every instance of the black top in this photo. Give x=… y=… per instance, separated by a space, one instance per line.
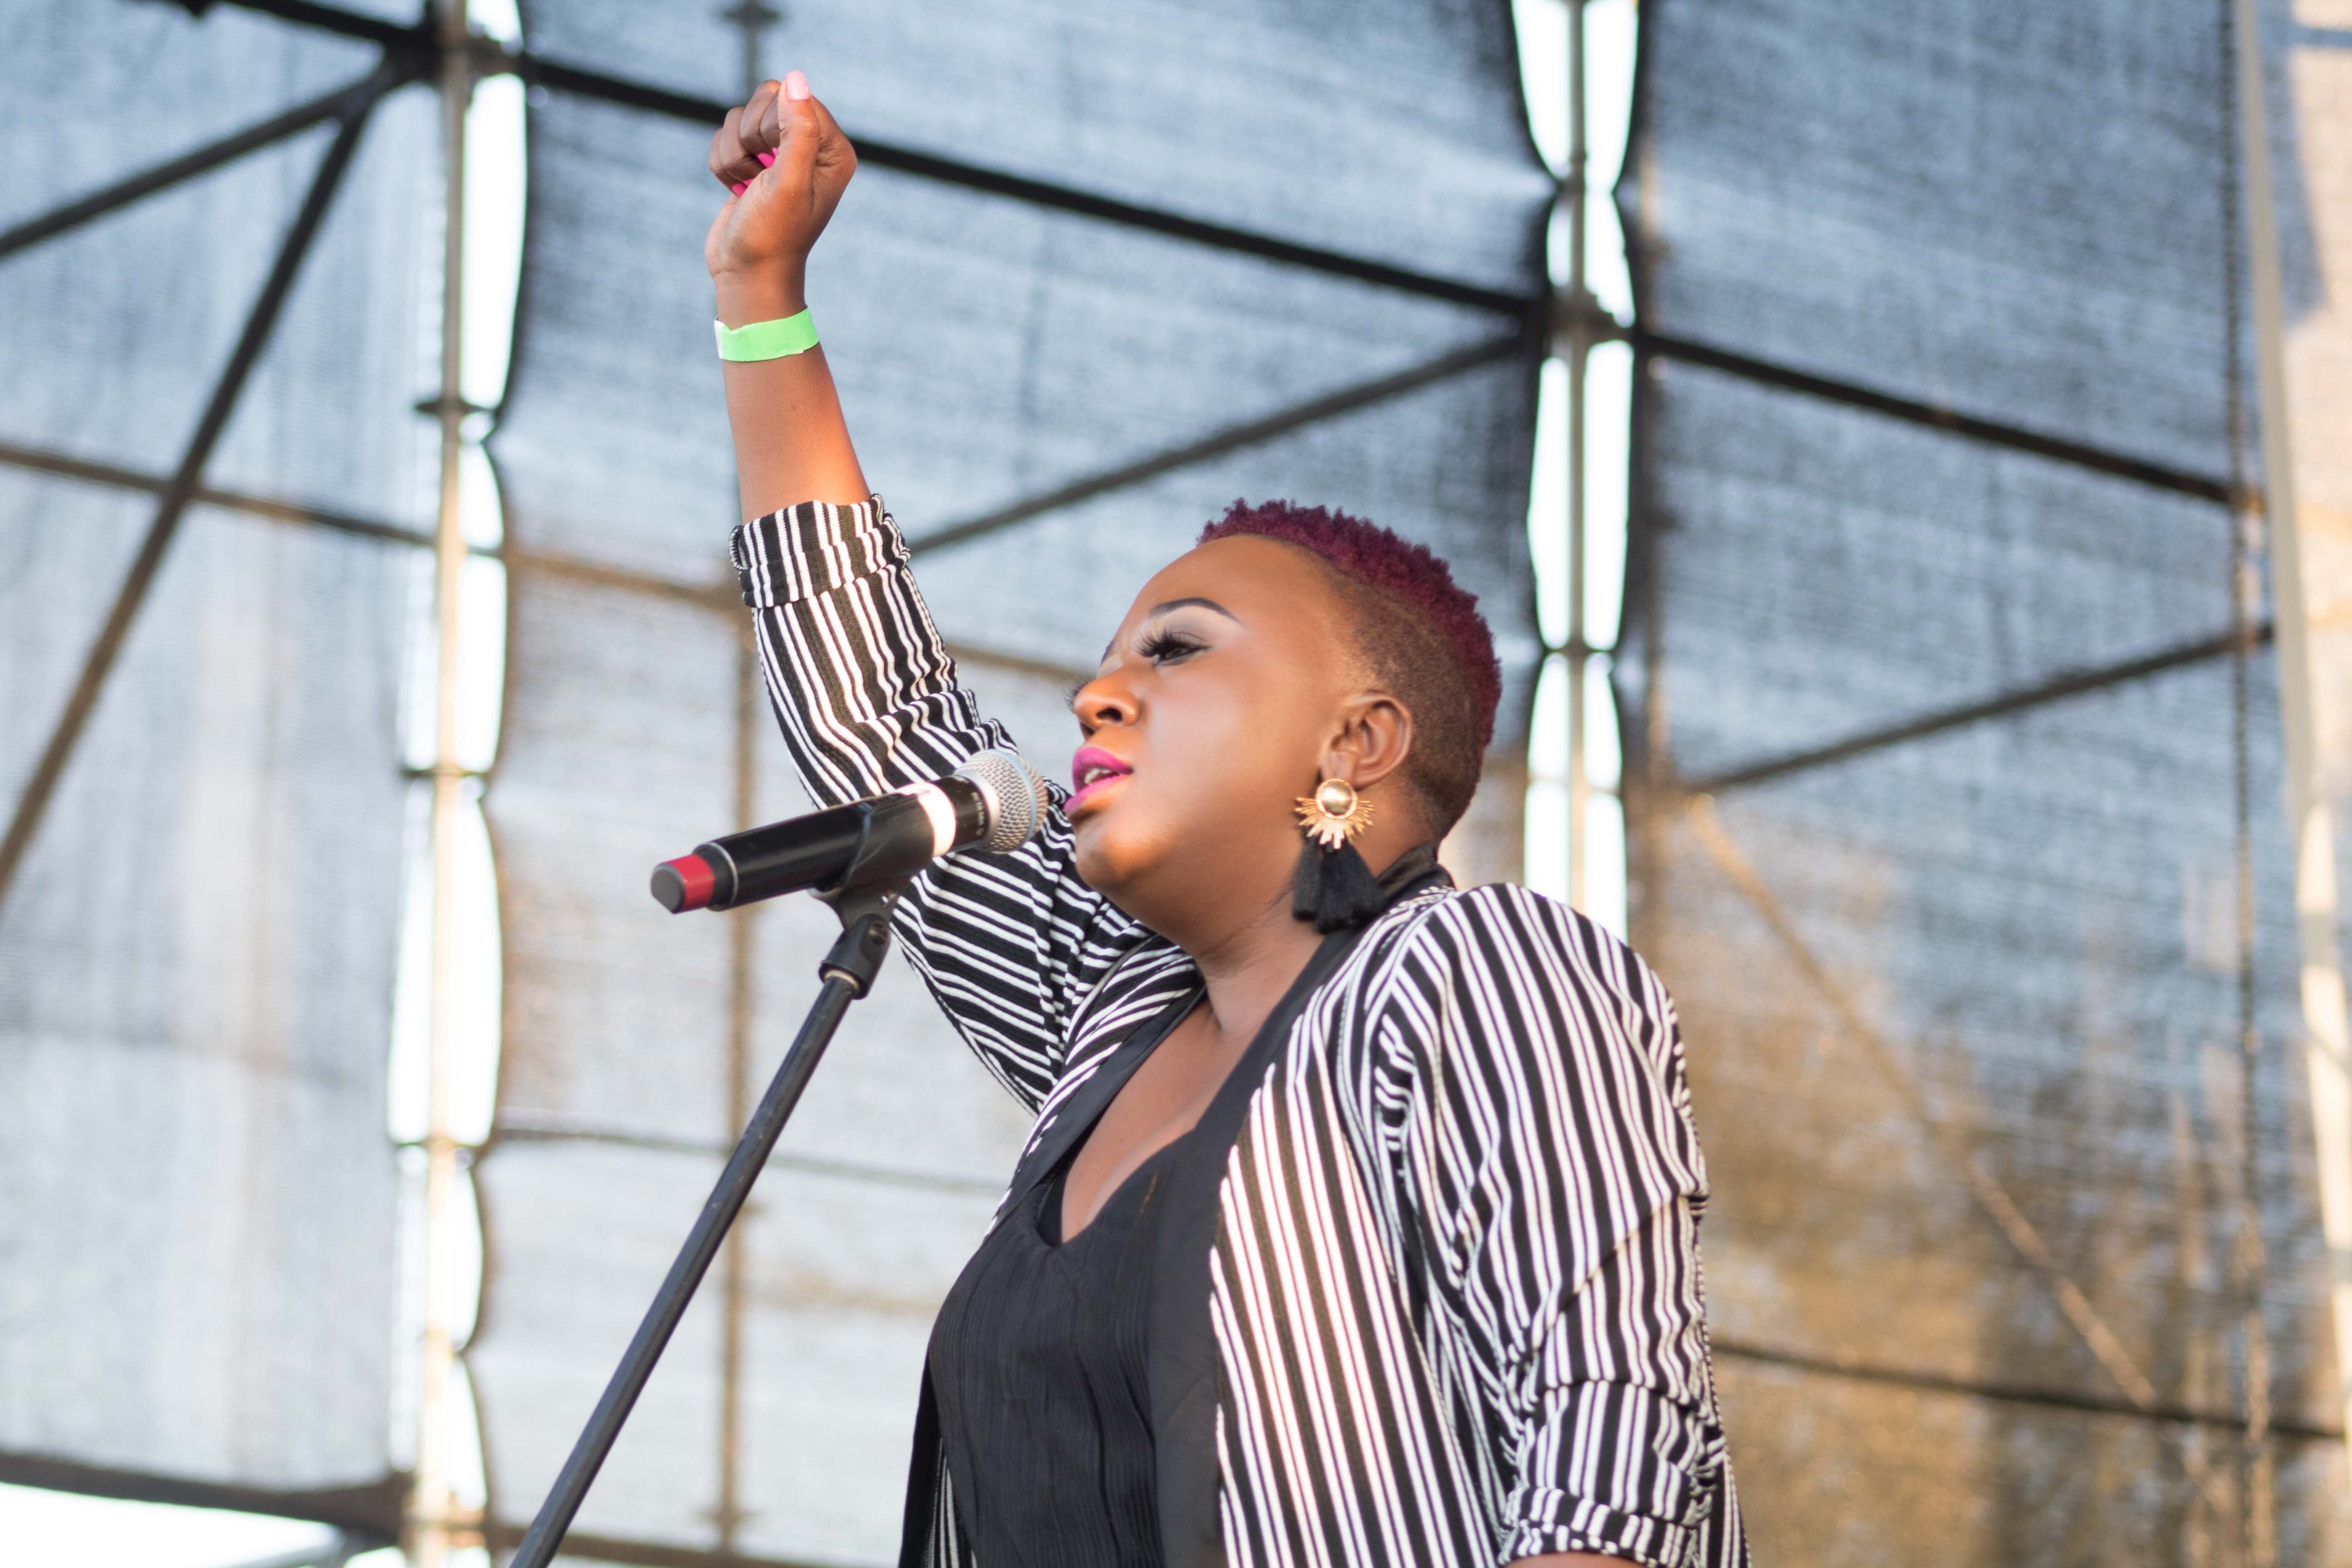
x=1037 y=1362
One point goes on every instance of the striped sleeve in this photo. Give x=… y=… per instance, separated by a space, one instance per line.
x=867 y=698
x=1550 y=1162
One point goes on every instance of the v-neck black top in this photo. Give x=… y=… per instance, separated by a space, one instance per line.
x=1038 y=1365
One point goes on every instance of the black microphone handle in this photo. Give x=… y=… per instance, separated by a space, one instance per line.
x=784 y=857
x=853 y=845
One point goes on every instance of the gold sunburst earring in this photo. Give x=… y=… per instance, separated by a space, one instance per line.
x=1334 y=813
x=1334 y=888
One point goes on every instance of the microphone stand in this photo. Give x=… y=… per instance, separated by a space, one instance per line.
x=848 y=974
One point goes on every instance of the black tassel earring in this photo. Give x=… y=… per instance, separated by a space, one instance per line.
x=1334 y=888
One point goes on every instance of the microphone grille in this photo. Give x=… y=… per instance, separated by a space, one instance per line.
x=1016 y=797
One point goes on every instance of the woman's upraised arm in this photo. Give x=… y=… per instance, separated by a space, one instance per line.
x=863 y=687
x=785 y=163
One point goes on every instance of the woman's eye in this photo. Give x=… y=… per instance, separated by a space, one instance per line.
x=1162 y=647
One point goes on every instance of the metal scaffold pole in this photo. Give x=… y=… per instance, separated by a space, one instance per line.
x=1579 y=347
x=2311 y=827
x=429 y=1510
x=751 y=20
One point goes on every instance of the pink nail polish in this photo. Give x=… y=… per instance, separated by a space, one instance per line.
x=738 y=189
x=767 y=160
x=795 y=86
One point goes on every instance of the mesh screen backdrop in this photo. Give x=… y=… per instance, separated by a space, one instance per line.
x=989 y=351
x=2011 y=939
x=2017 y=213
x=197 y=1253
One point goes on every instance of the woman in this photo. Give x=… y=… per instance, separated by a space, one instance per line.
x=1360 y=1222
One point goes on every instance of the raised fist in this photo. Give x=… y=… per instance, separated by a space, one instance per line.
x=785 y=163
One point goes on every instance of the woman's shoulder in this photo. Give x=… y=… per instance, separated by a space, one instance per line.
x=1490 y=981
x=1501 y=934
x=1503 y=914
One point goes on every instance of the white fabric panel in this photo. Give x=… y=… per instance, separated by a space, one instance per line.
x=2013 y=209
x=1386 y=127
x=2016 y=211
x=117 y=329
x=194 y=994
x=195 y=959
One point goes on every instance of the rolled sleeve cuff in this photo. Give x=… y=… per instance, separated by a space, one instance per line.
x=1551 y=1521
x=813 y=548
x=1619 y=1470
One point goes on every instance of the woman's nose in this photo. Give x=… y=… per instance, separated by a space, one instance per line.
x=1103 y=700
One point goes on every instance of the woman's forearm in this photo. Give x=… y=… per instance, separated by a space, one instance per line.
x=791 y=443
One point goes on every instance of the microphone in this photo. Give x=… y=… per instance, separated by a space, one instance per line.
x=993 y=802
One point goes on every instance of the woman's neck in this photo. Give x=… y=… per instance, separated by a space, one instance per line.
x=1247 y=971
x=1247 y=967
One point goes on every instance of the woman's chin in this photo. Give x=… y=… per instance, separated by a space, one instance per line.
x=1109 y=861
x=1099 y=862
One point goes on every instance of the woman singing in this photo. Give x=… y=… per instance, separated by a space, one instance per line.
x=1359 y=1224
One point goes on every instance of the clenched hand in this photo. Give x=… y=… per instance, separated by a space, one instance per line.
x=785 y=163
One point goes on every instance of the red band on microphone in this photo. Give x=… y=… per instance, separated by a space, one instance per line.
x=688 y=885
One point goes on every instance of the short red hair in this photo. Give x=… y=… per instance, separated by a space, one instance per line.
x=1441 y=627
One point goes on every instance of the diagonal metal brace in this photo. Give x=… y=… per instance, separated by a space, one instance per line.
x=2056 y=689
x=1218 y=444
x=188 y=165
x=34 y=803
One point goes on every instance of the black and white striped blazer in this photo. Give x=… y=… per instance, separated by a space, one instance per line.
x=1454 y=1289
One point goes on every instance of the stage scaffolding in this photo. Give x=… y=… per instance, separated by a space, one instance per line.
x=1953 y=744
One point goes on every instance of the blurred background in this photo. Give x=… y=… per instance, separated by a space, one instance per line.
x=1904 y=446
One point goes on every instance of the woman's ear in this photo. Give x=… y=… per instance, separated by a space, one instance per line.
x=1373 y=740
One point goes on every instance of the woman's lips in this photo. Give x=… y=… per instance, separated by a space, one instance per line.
x=1092 y=771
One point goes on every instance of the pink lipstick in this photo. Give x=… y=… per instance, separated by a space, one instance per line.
x=1093 y=771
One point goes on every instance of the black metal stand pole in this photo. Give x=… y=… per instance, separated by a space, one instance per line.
x=848 y=973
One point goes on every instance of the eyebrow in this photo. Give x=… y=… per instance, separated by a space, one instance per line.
x=1167 y=605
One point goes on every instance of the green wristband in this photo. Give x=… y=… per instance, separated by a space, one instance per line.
x=766 y=340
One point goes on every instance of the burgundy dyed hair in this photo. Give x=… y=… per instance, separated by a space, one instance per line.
x=1421 y=629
